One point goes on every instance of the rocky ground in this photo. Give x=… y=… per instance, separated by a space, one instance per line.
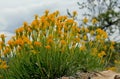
x=94 y=75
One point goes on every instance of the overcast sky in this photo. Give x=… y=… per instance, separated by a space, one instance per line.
x=14 y=12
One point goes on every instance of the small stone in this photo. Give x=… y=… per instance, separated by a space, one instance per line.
x=71 y=77
x=64 y=77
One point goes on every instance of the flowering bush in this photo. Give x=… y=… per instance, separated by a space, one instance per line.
x=53 y=46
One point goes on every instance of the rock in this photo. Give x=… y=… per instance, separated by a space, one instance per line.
x=64 y=78
x=94 y=75
x=71 y=77
x=106 y=75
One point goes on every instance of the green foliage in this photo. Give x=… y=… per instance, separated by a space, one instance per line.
x=50 y=64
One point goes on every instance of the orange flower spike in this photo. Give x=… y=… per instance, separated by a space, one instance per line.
x=85 y=37
x=94 y=21
x=63 y=42
x=21 y=29
x=99 y=31
x=0 y=47
x=111 y=47
x=48 y=47
x=19 y=42
x=112 y=68
x=74 y=13
x=26 y=40
x=50 y=36
x=57 y=13
x=6 y=51
x=3 y=65
x=36 y=17
x=49 y=41
x=2 y=36
x=86 y=30
x=82 y=48
x=11 y=43
x=98 y=37
x=85 y=20
x=36 y=43
x=105 y=35
x=92 y=32
x=77 y=39
x=112 y=42
x=35 y=24
x=70 y=21
x=101 y=54
x=46 y=12
x=1 y=43
x=65 y=28
x=25 y=24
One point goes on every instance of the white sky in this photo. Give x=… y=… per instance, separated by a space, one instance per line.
x=14 y=12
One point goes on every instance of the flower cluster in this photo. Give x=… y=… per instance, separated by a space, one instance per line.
x=59 y=33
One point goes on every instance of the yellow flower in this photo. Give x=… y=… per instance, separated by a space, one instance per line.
x=85 y=37
x=105 y=47
x=112 y=68
x=90 y=43
x=77 y=39
x=57 y=13
x=63 y=42
x=2 y=36
x=69 y=21
x=94 y=51
x=19 y=48
x=36 y=43
x=74 y=13
x=36 y=17
x=46 y=12
x=82 y=48
x=0 y=47
x=48 y=47
x=65 y=28
x=112 y=43
x=11 y=42
x=6 y=51
x=35 y=24
x=94 y=21
x=49 y=41
x=85 y=20
x=3 y=65
x=78 y=29
x=101 y=54
x=50 y=36
x=25 y=24
x=117 y=61
x=1 y=43
x=86 y=30
x=105 y=35
x=91 y=32
x=98 y=37
x=26 y=40
x=19 y=42
x=111 y=47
